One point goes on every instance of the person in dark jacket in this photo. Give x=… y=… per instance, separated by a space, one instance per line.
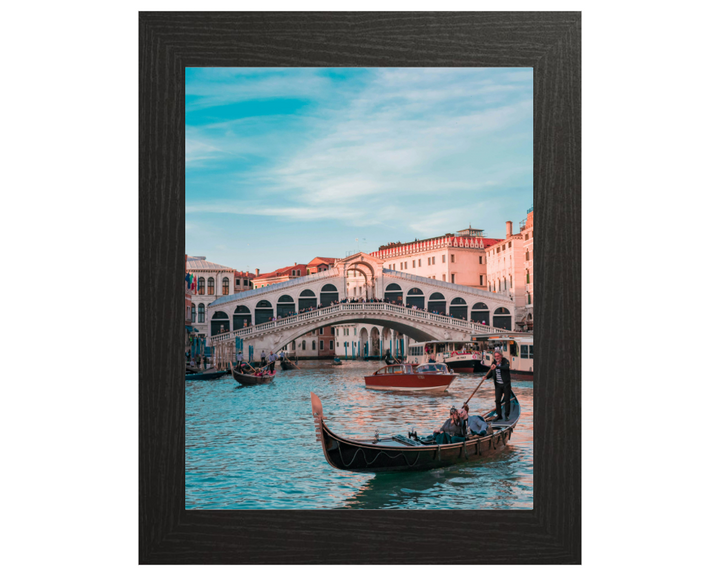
x=453 y=430
x=501 y=375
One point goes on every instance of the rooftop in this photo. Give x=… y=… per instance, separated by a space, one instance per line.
x=200 y=263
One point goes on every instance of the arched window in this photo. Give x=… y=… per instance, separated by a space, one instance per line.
x=529 y=298
x=226 y=286
x=211 y=286
x=201 y=286
x=527 y=276
x=286 y=306
x=328 y=294
x=480 y=313
x=502 y=318
x=313 y=344
x=219 y=323
x=193 y=311
x=436 y=303
x=263 y=312
x=458 y=308
x=306 y=300
x=241 y=317
x=394 y=293
x=201 y=314
x=527 y=255
x=415 y=297
x=303 y=344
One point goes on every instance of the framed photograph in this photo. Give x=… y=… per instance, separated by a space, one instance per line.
x=360 y=137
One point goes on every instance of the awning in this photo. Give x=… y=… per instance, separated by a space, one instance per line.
x=191 y=328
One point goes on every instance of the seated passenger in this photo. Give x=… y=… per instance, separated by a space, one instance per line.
x=453 y=430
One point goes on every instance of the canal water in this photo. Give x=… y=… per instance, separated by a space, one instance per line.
x=255 y=448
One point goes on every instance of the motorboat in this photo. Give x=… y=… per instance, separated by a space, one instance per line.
x=430 y=377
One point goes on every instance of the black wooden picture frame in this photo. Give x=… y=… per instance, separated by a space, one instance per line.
x=549 y=42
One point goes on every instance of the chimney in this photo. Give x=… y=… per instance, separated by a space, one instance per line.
x=257 y=271
x=508 y=229
x=295 y=263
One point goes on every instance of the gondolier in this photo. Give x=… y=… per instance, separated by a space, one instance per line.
x=271 y=361
x=239 y=358
x=262 y=357
x=500 y=371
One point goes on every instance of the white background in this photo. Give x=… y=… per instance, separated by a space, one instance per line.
x=69 y=182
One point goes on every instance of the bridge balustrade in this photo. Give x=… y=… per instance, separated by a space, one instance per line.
x=360 y=306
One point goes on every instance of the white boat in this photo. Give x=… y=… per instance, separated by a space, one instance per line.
x=516 y=347
x=459 y=355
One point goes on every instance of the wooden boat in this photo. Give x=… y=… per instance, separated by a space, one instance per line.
x=433 y=377
x=402 y=453
x=287 y=364
x=207 y=375
x=251 y=379
x=517 y=348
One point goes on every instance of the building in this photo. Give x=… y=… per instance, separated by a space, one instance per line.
x=510 y=269
x=457 y=258
x=279 y=275
x=212 y=281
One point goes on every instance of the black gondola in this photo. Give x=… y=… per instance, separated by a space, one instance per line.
x=250 y=379
x=206 y=375
x=287 y=364
x=401 y=453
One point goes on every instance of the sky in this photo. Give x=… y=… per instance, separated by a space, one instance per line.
x=285 y=164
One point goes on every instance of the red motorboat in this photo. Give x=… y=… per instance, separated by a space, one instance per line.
x=432 y=377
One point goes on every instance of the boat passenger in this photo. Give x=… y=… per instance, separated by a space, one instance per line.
x=500 y=371
x=453 y=430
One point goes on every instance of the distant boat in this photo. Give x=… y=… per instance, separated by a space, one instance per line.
x=287 y=364
x=250 y=379
x=517 y=348
x=402 y=453
x=433 y=377
x=337 y=362
x=207 y=375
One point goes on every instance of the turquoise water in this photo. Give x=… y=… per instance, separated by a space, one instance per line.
x=255 y=447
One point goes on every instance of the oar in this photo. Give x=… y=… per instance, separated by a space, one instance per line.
x=478 y=387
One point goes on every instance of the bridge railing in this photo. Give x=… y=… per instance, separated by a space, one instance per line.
x=393 y=309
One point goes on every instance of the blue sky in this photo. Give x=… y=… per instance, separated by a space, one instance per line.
x=285 y=164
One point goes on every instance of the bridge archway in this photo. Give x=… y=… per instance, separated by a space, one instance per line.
x=241 y=317
x=362 y=353
x=219 y=323
x=374 y=341
x=502 y=318
x=329 y=294
x=480 y=313
x=263 y=312
x=307 y=300
x=285 y=306
x=394 y=293
x=458 y=308
x=415 y=297
x=436 y=303
x=369 y=282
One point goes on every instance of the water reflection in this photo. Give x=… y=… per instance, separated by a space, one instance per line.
x=255 y=448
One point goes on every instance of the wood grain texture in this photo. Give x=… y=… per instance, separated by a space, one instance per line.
x=546 y=41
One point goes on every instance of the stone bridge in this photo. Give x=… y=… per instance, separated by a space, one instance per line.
x=249 y=314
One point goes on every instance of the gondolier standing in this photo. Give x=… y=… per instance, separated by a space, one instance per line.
x=262 y=357
x=501 y=374
x=271 y=361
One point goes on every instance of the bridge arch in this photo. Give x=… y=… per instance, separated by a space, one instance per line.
x=328 y=294
x=307 y=300
x=480 y=313
x=263 y=312
x=458 y=308
x=394 y=293
x=502 y=318
x=436 y=303
x=219 y=323
x=241 y=317
x=285 y=306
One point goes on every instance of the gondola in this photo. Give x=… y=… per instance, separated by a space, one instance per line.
x=207 y=375
x=252 y=379
x=401 y=453
x=287 y=364
x=337 y=362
